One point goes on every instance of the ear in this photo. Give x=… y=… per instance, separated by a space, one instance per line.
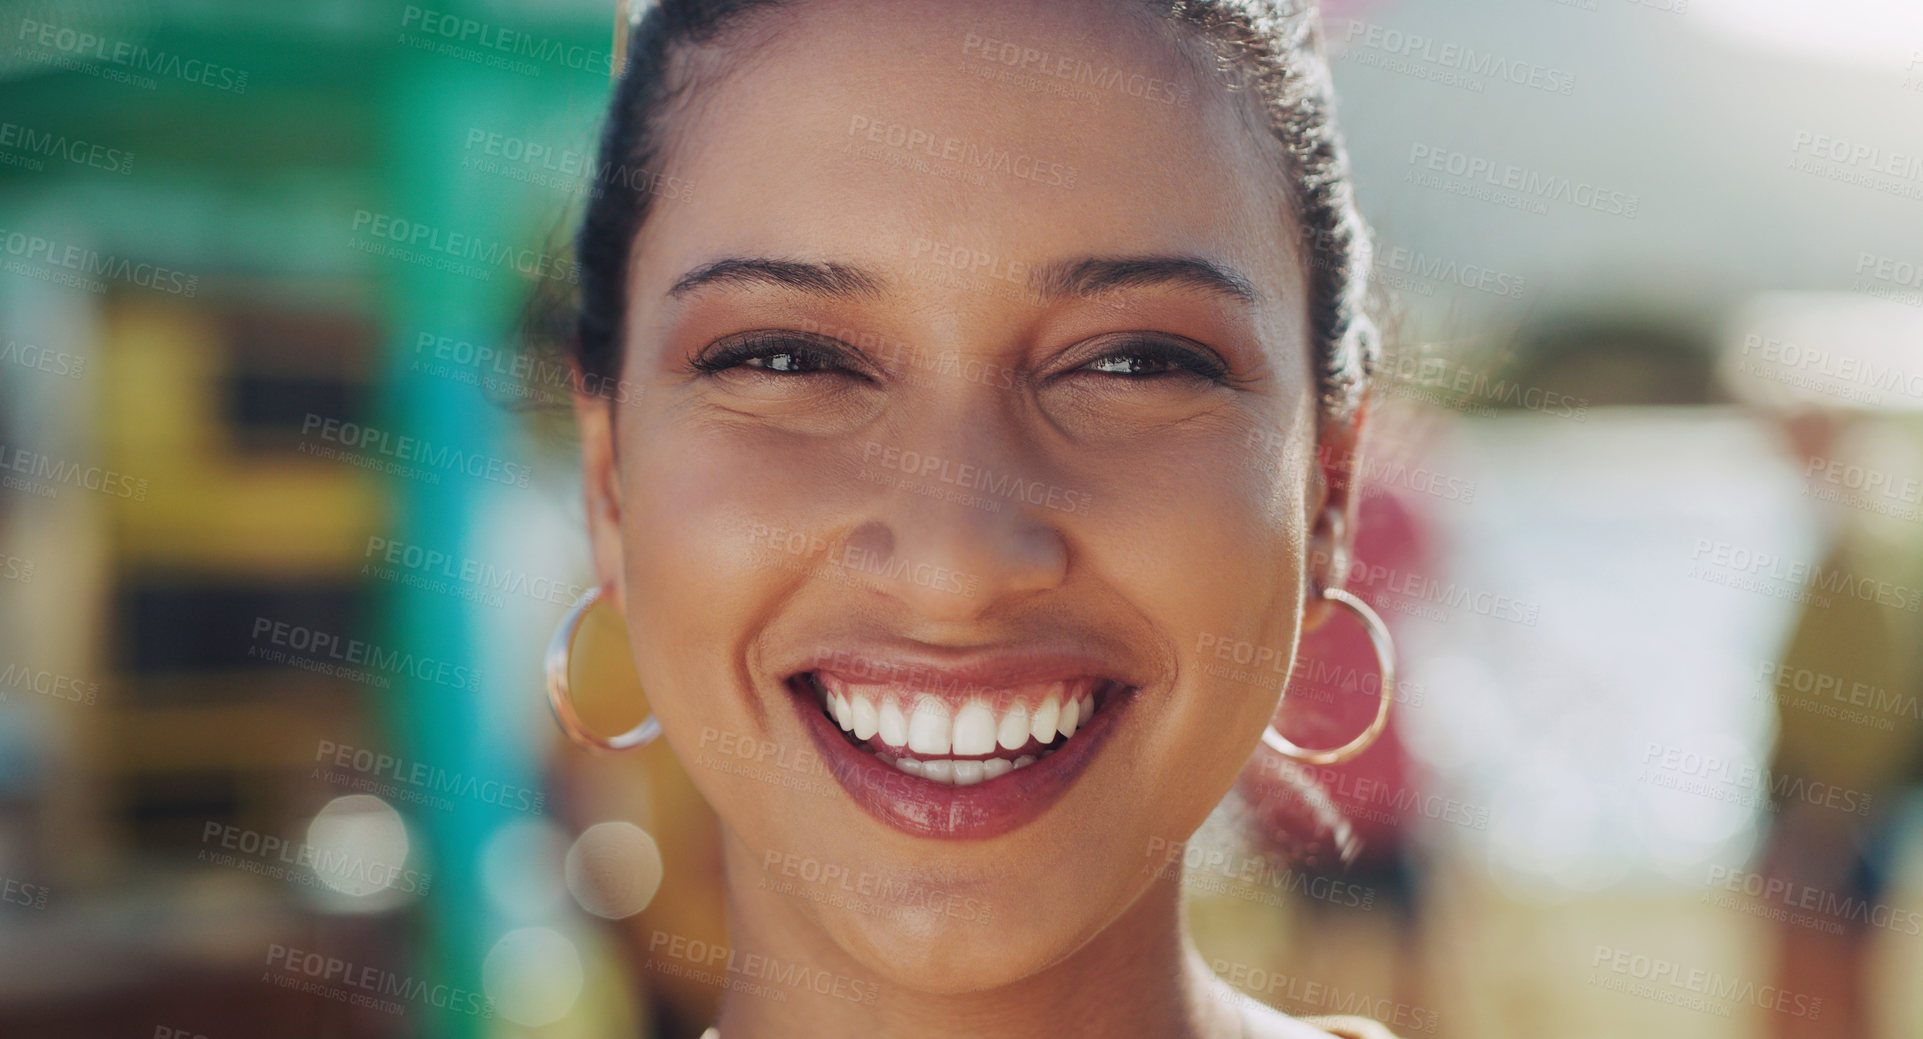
x=1334 y=504
x=601 y=490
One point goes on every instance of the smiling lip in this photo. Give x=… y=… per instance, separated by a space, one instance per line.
x=958 y=724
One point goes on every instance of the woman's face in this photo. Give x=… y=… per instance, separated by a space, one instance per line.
x=976 y=386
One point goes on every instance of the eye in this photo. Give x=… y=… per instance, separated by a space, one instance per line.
x=775 y=352
x=1142 y=358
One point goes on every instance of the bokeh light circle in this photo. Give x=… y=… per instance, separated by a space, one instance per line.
x=359 y=845
x=614 y=869
x=533 y=975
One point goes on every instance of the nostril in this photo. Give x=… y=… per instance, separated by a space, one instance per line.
x=1047 y=562
x=872 y=539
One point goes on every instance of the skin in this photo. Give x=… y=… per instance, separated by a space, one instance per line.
x=1208 y=507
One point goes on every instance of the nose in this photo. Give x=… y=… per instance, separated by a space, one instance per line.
x=959 y=526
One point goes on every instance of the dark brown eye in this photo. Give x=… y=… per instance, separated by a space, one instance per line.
x=787 y=361
x=776 y=352
x=1144 y=358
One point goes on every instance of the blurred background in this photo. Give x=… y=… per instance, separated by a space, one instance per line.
x=281 y=539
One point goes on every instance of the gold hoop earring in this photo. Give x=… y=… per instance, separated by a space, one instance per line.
x=1385 y=655
x=560 y=664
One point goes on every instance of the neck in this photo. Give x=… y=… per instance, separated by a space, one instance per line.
x=1141 y=976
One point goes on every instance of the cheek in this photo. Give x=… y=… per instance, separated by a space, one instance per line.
x=1213 y=554
x=695 y=534
x=710 y=514
x=1208 y=537
x=720 y=526
x=714 y=535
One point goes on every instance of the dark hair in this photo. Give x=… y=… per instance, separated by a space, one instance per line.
x=1269 y=48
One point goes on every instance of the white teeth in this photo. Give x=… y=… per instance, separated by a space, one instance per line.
x=1013 y=731
x=864 y=720
x=929 y=730
x=961 y=772
x=953 y=748
x=1043 y=722
x=894 y=727
x=974 y=729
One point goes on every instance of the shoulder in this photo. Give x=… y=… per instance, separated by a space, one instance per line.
x=1266 y=1022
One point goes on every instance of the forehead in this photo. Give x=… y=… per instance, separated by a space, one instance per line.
x=901 y=133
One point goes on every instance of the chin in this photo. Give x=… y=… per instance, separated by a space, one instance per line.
x=940 y=954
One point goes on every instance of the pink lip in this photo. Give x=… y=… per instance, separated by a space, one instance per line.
x=926 y=808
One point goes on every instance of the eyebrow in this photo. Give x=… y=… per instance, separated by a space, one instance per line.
x=834 y=280
x=1089 y=276
x=1094 y=276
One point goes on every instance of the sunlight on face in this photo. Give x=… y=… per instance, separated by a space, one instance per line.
x=971 y=409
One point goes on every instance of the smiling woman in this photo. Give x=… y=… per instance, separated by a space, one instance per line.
x=977 y=597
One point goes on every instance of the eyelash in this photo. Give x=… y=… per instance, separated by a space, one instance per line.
x=817 y=356
x=1178 y=359
x=821 y=356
